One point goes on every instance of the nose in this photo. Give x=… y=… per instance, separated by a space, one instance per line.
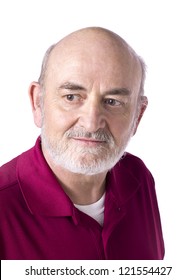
x=92 y=115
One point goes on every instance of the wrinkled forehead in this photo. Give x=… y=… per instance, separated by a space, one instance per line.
x=95 y=47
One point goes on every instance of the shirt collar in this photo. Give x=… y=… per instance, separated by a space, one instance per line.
x=123 y=181
x=41 y=190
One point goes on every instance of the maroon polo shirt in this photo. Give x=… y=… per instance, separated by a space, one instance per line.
x=39 y=221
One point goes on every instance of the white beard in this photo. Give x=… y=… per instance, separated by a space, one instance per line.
x=66 y=153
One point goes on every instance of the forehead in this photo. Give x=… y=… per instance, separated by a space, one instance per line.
x=92 y=53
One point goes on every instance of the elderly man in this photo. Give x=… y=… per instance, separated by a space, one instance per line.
x=77 y=194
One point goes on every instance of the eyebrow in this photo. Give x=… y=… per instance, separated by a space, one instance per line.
x=71 y=86
x=115 y=91
x=119 y=91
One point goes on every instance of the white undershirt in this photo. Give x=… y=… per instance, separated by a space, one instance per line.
x=95 y=210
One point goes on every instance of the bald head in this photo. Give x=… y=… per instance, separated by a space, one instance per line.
x=91 y=40
x=96 y=36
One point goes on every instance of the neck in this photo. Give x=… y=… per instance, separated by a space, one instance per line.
x=81 y=189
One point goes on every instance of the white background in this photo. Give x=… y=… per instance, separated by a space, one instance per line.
x=162 y=32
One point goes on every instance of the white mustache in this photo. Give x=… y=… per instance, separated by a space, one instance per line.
x=99 y=135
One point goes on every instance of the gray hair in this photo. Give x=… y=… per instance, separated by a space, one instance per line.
x=44 y=65
x=143 y=68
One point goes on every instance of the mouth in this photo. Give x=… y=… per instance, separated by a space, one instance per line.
x=88 y=141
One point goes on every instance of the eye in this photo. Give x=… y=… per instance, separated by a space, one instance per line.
x=112 y=102
x=72 y=97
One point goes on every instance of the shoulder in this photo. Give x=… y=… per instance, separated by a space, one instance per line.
x=8 y=174
x=9 y=171
x=11 y=197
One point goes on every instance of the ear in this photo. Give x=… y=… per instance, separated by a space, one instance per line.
x=35 y=95
x=141 y=109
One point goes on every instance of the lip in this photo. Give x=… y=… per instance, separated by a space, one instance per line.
x=88 y=141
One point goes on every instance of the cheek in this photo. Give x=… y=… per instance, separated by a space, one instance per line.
x=121 y=128
x=57 y=122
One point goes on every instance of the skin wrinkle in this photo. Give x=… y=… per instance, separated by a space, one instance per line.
x=114 y=35
x=83 y=94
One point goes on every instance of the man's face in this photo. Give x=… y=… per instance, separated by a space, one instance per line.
x=90 y=99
